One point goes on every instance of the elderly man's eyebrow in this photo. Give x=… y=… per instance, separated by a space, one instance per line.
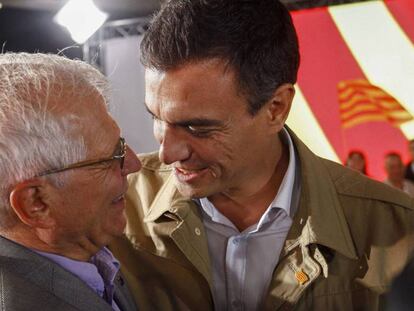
x=193 y=121
x=149 y=111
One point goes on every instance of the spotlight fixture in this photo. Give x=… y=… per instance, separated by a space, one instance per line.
x=81 y=18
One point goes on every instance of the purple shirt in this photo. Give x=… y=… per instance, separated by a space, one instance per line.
x=98 y=273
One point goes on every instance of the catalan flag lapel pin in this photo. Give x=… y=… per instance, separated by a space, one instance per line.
x=301 y=277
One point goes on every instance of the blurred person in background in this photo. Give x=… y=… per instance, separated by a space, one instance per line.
x=409 y=168
x=63 y=169
x=356 y=160
x=394 y=167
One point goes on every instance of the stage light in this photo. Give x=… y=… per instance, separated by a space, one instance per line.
x=82 y=18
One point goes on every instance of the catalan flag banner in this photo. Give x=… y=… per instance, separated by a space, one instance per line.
x=355 y=88
x=361 y=102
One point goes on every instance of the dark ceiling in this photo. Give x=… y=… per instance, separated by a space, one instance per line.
x=27 y=25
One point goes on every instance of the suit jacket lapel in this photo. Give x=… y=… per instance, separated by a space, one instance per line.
x=123 y=297
x=50 y=276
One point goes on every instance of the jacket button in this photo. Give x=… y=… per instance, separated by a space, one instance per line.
x=197 y=231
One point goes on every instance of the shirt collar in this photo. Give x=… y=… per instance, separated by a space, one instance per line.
x=98 y=272
x=282 y=199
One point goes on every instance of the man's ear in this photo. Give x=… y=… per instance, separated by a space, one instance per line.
x=27 y=199
x=278 y=106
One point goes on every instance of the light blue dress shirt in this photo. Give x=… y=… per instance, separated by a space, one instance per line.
x=243 y=262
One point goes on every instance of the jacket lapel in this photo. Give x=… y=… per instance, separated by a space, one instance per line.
x=319 y=220
x=123 y=297
x=319 y=206
x=189 y=234
x=49 y=276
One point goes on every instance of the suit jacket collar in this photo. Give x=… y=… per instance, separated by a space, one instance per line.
x=54 y=279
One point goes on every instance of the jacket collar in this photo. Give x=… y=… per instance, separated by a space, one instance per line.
x=319 y=219
x=193 y=246
x=169 y=199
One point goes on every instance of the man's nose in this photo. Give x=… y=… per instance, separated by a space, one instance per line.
x=131 y=163
x=174 y=147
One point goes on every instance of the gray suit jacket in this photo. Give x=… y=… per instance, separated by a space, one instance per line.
x=29 y=281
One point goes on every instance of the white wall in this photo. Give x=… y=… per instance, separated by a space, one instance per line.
x=126 y=75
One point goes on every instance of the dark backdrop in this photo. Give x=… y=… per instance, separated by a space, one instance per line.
x=34 y=30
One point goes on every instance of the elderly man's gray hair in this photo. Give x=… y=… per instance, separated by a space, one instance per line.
x=33 y=136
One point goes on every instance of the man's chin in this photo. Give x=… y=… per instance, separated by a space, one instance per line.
x=119 y=228
x=190 y=192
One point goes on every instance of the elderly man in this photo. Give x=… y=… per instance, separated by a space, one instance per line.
x=63 y=169
x=234 y=211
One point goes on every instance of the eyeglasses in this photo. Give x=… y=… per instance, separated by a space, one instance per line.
x=121 y=150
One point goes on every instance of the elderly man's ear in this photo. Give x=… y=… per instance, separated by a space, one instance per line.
x=29 y=201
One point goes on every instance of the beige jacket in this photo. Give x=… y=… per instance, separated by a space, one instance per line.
x=349 y=237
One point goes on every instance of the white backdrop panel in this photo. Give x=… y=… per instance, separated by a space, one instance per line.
x=126 y=75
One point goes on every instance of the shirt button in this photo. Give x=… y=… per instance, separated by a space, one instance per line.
x=197 y=231
x=236 y=241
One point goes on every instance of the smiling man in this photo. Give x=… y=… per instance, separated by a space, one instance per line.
x=234 y=212
x=63 y=169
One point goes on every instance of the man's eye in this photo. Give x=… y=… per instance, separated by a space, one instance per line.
x=199 y=132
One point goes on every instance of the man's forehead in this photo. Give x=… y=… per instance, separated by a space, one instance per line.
x=213 y=68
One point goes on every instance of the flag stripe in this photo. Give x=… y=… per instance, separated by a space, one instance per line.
x=349 y=92
x=358 y=102
x=373 y=113
x=392 y=117
x=403 y=13
x=319 y=55
x=326 y=61
x=352 y=112
x=381 y=48
x=302 y=121
x=399 y=116
x=379 y=95
x=352 y=85
x=363 y=119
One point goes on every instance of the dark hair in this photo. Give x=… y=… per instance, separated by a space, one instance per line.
x=393 y=155
x=256 y=38
x=361 y=155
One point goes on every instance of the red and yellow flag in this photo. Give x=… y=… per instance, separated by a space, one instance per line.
x=342 y=48
x=361 y=102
